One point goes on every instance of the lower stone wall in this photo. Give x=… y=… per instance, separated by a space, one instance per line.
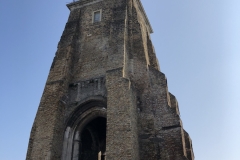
x=48 y=128
x=172 y=146
x=161 y=135
x=188 y=145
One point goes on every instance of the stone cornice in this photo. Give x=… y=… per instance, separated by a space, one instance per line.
x=82 y=3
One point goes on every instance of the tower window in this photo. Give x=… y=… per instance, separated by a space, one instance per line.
x=97 y=16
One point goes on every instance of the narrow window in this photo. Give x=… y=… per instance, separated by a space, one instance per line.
x=96 y=16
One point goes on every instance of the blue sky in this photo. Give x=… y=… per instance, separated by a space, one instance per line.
x=198 y=47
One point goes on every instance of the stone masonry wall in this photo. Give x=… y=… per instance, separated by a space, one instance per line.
x=46 y=138
x=110 y=61
x=122 y=138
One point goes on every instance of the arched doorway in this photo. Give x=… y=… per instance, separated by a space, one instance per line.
x=93 y=140
x=85 y=134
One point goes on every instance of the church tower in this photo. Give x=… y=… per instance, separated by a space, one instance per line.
x=105 y=97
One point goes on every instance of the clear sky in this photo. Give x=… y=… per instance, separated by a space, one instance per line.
x=198 y=46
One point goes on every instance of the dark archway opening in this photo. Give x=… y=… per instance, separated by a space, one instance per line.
x=93 y=140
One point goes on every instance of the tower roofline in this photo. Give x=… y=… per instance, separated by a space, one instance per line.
x=83 y=3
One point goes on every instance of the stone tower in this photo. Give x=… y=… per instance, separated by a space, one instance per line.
x=105 y=96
